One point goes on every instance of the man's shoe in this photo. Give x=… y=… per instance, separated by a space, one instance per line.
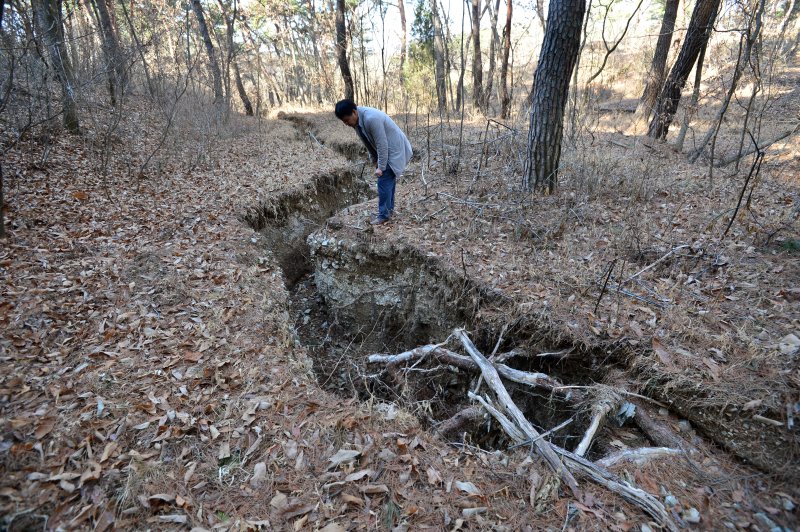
x=378 y=221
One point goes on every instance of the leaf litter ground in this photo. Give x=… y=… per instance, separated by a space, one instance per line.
x=153 y=381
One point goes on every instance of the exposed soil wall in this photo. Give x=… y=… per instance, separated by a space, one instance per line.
x=290 y=217
x=388 y=295
x=373 y=284
x=412 y=299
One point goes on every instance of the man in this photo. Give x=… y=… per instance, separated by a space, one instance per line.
x=388 y=148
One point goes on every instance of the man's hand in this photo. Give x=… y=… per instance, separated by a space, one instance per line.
x=378 y=172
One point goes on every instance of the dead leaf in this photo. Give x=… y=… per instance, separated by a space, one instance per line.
x=278 y=501
x=192 y=356
x=434 y=478
x=295 y=508
x=224 y=451
x=467 y=487
x=93 y=473
x=333 y=527
x=174 y=518
x=352 y=499
x=44 y=428
x=663 y=354
x=358 y=475
x=189 y=472
x=64 y=476
x=372 y=489
x=259 y=474
x=160 y=499
x=107 y=451
x=343 y=456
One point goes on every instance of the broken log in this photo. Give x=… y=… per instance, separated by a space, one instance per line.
x=657 y=432
x=463 y=418
x=636 y=496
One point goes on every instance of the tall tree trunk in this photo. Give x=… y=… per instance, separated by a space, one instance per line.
x=477 y=64
x=111 y=49
x=319 y=68
x=460 y=85
x=438 y=58
x=493 y=41
x=750 y=39
x=248 y=105
x=401 y=6
x=230 y=21
x=655 y=77
x=551 y=89
x=699 y=31
x=139 y=49
x=505 y=100
x=540 y=14
x=448 y=67
x=212 y=56
x=49 y=22
x=341 y=50
x=691 y=109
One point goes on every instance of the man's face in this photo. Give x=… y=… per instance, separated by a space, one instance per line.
x=351 y=120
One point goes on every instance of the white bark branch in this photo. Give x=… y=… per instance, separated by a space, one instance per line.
x=598 y=415
x=492 y=378
x=632 y=494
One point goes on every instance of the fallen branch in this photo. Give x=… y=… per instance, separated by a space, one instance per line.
x=492 y=378
x=535 y=380
x=508 y=426
x=632 y=494
x=760 y=147
x=659 y=261
x=637 y=455
x=598 y=415
x=636 y=496
x=544 y=434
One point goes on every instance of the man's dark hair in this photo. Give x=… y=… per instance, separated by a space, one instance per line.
x=345 y=108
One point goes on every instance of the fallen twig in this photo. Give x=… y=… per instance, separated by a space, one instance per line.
x=544 y=434
x=653 y=265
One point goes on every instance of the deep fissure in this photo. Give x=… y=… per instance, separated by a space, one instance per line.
x=402 y=302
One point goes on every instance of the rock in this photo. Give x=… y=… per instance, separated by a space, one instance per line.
x=691 y=516
x=671 y=500
x=788 y=505
x=766 y=522
x=646 y=528
x=259 y=475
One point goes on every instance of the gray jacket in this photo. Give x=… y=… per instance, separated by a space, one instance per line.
x=385 y=141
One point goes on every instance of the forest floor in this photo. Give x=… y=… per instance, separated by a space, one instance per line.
x=153 y=376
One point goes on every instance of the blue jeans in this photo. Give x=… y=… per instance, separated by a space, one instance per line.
x=386 y=185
